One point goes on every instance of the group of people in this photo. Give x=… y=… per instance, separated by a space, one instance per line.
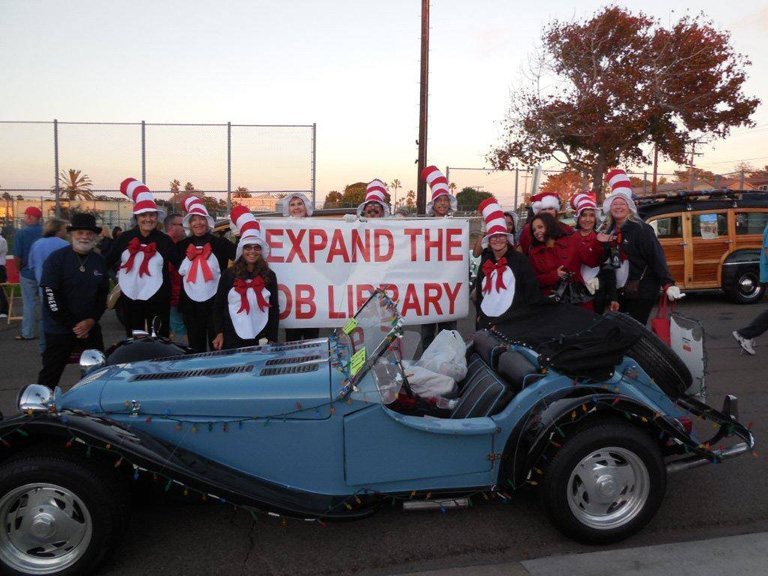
x=609 y=259
x=611 y=263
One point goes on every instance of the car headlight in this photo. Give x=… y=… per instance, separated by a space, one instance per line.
x=91 y=360
x=35 y=398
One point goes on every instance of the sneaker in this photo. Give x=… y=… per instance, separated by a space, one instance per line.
x=747 y=345
x=3 y=315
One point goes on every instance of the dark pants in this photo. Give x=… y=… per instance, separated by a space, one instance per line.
x=59 y=347
x=294 y=334
x=757 y=327
x=138 y=315
x=639 y=309
x=199 y=325
x=3 y=299
x=429 y=331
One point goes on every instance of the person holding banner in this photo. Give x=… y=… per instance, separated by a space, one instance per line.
x=374 y=205
x=442 y=205
x=600 y=282
x=297 y=205
x=246 y=309
x=205 y=257
x=505 y=279
x=642 y=268
x=144 y=253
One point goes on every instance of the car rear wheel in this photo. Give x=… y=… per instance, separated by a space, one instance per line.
x=605 y=483
x=57 y=515
x=746 y=288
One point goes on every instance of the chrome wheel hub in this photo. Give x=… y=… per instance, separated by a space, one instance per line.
x=44 y=528
x=608 y=488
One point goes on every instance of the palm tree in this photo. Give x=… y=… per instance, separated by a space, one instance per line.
x=241 y=192
x=394 y=186
x=74 y=185
x=452 y=188
x=175 y=185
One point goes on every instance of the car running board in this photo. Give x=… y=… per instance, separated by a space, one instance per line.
x=417 y=505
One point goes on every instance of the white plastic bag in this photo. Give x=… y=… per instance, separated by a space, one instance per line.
x=446 y=355
x=429 y=384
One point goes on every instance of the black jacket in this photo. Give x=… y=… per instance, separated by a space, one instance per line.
x=646 y=258
x=222 y=249
x=222 y=322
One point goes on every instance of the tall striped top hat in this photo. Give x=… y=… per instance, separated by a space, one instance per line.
x=621 y=187
x=285 y=203
x=438 y=183
x=248 y=229
x=545 y=200
x=494 y=220
x=583 y=201
x=375 y=192
x=138 y=193
x=194 y=206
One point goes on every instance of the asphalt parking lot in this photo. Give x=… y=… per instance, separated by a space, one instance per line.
x=172 y=537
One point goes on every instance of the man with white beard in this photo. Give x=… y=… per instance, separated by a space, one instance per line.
x=75 y=283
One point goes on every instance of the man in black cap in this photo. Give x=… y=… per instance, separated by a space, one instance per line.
x=75 y=283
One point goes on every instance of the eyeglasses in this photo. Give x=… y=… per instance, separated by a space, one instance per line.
x=251 y=247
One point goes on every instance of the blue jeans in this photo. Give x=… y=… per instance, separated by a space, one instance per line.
x=30 y=306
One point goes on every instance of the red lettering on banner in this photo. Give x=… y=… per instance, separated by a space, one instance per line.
x=338 y=247
x=296 y=246
x=332 y=313
x=288 y=300
x=411 y=301
x=433 y=299
x=451 y=296
x=318 y=240
x=359 y=247
x=350 y=301
x=392 y=291
x=450 y=243
x=429 y=245
x=413 y=233
x=378 y=236
x=361 y=293
x=305 y=296
x=274 y=245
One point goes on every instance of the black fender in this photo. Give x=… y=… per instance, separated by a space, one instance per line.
x=736 y=263
x=97 y=436
x=553 y=417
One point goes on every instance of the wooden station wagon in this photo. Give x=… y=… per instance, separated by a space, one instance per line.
x=712 y=240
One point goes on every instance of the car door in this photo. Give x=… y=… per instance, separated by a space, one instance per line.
x=669 y=231
x=708 y=241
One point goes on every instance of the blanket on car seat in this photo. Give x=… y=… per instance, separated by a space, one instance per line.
x=569 y=339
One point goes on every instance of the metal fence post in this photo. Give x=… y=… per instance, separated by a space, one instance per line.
x=741 y=180
x=314 y=162
x=517 y=181
x=717 y=180
x=229 y=167
x=143 y=152
x=56 y=166
x=645 y=181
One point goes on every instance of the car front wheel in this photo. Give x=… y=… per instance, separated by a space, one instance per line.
x=57 y=516
x=746 y=287
x=605 y=483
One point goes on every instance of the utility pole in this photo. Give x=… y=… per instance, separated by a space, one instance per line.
x=655 y=166
x=421 y=186
x=691 y=168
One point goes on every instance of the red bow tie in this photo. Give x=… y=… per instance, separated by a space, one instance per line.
x=199 y=257
x=241 y=287
x=488 y=268
x=134 y=247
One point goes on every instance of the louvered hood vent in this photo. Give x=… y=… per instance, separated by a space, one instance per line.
x=193 y=373
x=295 y=369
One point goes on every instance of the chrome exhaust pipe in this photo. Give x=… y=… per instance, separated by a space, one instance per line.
x=696 y=461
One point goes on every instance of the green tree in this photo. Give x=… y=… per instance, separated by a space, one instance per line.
x=332 y=199
x=395 y=186
x=354 y=194
x=175 y=186
x=241 y=192
x=410 y=200
x=682 y=175
x=188 y=187
x=469 y=199
x=73 y=185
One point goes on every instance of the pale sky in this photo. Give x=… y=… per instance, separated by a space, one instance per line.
x=350 y=66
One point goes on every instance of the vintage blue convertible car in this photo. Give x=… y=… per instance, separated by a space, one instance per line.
x=329 y=428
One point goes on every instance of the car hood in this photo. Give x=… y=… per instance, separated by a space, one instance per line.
x=250 y=382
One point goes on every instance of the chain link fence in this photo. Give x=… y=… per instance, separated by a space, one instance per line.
x=250 y=164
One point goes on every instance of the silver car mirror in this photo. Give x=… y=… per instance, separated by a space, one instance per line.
x=91 y=360
x=35 y=398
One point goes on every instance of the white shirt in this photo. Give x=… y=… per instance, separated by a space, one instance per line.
x=3 y=250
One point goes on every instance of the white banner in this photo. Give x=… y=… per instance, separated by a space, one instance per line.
x=326 y=269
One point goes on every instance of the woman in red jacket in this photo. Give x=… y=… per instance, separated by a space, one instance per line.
x=557 y=257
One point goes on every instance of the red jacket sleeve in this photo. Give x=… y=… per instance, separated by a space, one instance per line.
x=591 y=252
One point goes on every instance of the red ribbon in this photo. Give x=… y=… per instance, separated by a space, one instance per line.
x=199 y=257
x=257 y=284
x=488 y=268
x=134 y=247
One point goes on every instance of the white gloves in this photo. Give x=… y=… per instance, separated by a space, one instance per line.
x=673 y=293
x=592 y=285
x=350 y=218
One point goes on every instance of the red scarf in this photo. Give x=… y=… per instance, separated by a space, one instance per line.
x=134 y=247
x=488 y=268
x=199 y=257
x=241 y=287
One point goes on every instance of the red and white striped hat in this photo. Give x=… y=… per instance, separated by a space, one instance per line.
x=194 y=206
x=545 y=200
x=138 y=193
x=438 y=183
x=583 y=201
x=249 y=230
x=376 y=192
x=494 y=220
x=621 y=187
